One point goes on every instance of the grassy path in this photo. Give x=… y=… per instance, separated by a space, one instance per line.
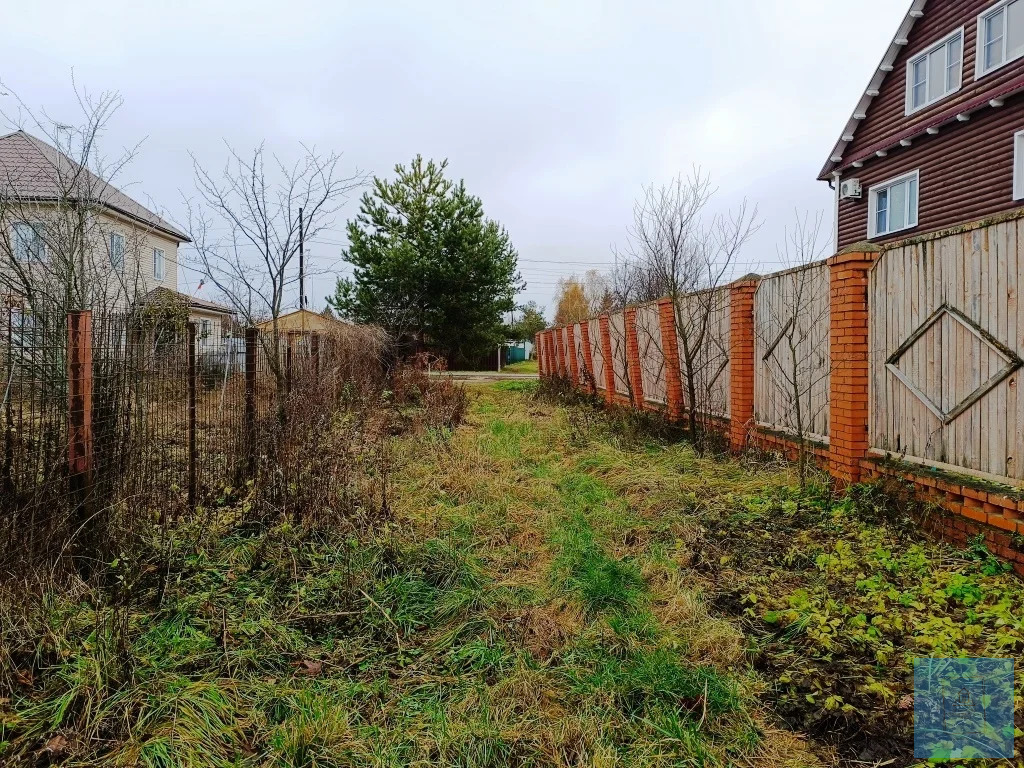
x=552 y=587
x=611 y=652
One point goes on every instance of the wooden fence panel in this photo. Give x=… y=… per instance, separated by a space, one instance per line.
x=791 y=351
x=946 y=343
x=581 y=360
x=617 y=331
x=652 y=354
x=703 y=322
x=597 y=353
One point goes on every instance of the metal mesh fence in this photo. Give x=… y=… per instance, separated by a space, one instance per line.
x=146 y=419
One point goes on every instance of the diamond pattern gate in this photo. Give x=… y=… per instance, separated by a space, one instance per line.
x=946 y=349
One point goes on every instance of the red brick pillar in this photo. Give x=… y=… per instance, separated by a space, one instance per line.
x=79 y=373
x=670 y=348
x=848 y=401
x=633 y=370
x=741 y=361
x=609 y=364
x=549 y=349
x=574 y=370
x=588 y=358
x=536 y=351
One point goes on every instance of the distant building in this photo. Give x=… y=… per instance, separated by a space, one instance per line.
x=305 y=321
x=129 y=254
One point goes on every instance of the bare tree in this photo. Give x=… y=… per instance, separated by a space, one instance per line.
x=676 y=250
x=793 y=329
x=245 y=228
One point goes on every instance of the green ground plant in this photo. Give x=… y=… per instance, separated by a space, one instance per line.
x=552 y=586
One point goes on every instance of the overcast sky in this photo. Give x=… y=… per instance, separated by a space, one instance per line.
x=555 y=112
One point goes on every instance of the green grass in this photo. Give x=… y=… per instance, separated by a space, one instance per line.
x=547 y=592
x=526 y=366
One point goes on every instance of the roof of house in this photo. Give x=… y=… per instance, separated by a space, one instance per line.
x=874 y=86
x=304 y=314
x=29 y=169
x=166 y=294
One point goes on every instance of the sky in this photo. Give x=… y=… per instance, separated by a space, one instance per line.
x=555 y=113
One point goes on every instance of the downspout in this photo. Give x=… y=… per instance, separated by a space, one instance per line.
x=834 y=184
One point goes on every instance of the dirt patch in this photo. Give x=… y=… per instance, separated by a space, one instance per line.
x=544 y=630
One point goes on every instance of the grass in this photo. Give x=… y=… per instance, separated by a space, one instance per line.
x=526 y=366
x=551 y=589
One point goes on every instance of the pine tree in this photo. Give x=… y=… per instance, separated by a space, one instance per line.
x=428 y=265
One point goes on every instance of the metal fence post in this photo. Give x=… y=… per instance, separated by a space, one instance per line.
x=314 y=350
x=192 y=416
x=288 y=350
x=80 y=437
x=251 y=340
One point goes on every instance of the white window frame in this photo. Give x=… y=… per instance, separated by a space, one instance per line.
x=1018 y=165
x=37 y=228
x=927 y=52
x=873 y=200
x=118 y=266
x=159 y=264
x=979 y=41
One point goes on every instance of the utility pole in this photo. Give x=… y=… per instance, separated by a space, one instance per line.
x=302 y=265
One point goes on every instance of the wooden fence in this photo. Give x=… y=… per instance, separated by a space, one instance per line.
x=905 y=360
x=791 y=356
x=946 y=345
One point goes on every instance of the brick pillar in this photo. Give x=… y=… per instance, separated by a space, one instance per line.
x=548 y=357
x=588 y=358
x=633 y=370
x=741 y=361
x=848 y=402
x=80 y=436
x=670 y=348
x=536 y=351
x=573 y=362
x=559 y=352
x=609 y=364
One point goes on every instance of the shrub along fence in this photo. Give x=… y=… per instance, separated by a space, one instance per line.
x=902 y=361
x=150 y=417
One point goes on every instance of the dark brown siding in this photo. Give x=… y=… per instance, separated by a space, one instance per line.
x=886 y=114
x=966 y=174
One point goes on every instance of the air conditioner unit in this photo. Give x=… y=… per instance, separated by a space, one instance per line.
x=850 y=189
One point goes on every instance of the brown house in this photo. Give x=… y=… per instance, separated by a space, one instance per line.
x=937 y=139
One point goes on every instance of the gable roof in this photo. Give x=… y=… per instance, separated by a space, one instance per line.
x=874 y=87
x=29 y=170
x=162 y=294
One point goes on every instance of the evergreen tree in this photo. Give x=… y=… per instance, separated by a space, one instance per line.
x=428 y=264
x=530 y=324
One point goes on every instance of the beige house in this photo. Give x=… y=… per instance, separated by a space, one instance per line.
x=304 y=321
x=70 y=239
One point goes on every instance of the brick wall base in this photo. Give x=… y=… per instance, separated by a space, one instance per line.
x=965 y=511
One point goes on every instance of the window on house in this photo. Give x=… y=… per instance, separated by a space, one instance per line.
x=117 y=251
x=204 y=328
x=27 y=242
x=936 y=73
x=1000 y=36
x=1018 y=165
x=892 y=206
x=158 y=264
